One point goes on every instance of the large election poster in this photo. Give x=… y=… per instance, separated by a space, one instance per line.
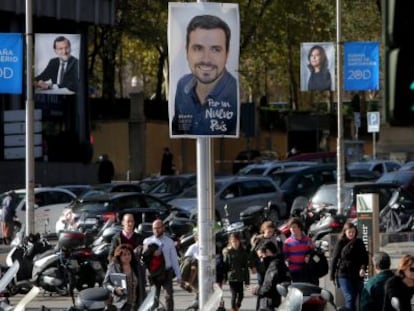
x=317 y=66
x=57 y=63
x=361 y=66
x=11 y=63
x=203 y=44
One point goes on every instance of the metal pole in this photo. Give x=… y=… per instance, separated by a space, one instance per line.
x=29 y=122
x=374 y=147
x=206 y=216
x=340 y=139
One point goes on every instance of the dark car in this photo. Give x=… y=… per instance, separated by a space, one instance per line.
x=403 y=178
x=172 y=186
x=112 y=187
x=304 y=181
x=93 y=211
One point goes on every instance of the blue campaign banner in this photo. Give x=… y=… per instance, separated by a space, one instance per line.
x=11 y=63
x=361 y=66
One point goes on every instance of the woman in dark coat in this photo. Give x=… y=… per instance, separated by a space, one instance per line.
x=124 y=262
x=401 y=285
x=349 y=263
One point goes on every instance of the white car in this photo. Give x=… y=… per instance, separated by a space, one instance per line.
x=48 y=203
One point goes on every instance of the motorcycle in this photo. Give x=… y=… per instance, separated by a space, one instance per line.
x=304 y=297
x=25 y=250
x=96 y=299
x=68 y=266
x=329 y=222
x=102 y=243
x=397 y=215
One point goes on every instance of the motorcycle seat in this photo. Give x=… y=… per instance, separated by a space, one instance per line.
x=94 y=294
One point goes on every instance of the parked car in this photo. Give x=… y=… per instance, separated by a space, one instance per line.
x=93 y=211
x=172 y=186
x=408 y=166
x=267 y=168
x=48 y=200
x=403 y=178
x=112 y=187
x=79 y=190
x=304 y=181
x=378 y=166
x=320 y=157
x=238 y=193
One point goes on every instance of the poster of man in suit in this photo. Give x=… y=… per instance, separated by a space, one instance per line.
x=57 y=63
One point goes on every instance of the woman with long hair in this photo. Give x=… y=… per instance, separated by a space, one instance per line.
x=349 y=263
x=401 y=286
x=129 y=298
x=320 y=77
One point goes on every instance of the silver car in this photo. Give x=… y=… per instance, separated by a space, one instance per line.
x=238 y=193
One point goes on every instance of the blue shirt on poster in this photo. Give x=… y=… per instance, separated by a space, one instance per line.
x=216 y=116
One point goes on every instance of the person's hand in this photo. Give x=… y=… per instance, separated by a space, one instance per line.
x=158 y=252
x=42 y=85
x=119 y=291
x=180 y=282
x=252 y=289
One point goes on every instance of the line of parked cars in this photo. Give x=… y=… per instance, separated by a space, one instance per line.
x=274 y=185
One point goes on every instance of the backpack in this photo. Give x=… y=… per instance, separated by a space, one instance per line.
x=154 y=264
x=318 y=263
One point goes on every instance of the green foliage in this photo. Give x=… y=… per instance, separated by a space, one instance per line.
x=271 y=34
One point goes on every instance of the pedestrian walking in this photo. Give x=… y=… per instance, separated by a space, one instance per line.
x=349 y=263
x=276 y=272
x=236 y=270
x=172 y=268
x=127 y=236
x=106 y=169
x=9 y=205
x=372 y=296
x=268 y=232
x=296 y=249
x=126 y=298
x=167 y=162
x=401 y=286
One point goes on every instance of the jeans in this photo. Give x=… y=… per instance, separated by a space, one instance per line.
x=350 y=289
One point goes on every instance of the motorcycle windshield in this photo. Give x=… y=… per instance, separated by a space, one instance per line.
x=9 y=275
x=149 y=301
x=293 y=300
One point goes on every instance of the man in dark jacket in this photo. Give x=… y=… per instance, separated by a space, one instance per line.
x=276 y=273
x=372 y=296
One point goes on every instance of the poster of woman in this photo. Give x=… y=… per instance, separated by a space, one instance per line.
x=317 y=66
x=203 y=44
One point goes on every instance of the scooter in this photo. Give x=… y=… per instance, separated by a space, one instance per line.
x=26 y=251
x=96 y=299
x=305 y=297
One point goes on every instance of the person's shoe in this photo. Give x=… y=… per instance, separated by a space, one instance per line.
x=187 y=287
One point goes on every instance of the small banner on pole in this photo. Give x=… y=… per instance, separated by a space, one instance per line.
x=361 y=66
x=11 y=63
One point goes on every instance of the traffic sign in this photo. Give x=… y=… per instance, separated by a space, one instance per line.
x=373 y=121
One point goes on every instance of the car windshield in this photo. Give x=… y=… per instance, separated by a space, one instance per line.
x=401 y=179
x=359 y=166
x=283 y=179
x=251 y=171
x=95 y=207
x=191 y=192
x=327 y=196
